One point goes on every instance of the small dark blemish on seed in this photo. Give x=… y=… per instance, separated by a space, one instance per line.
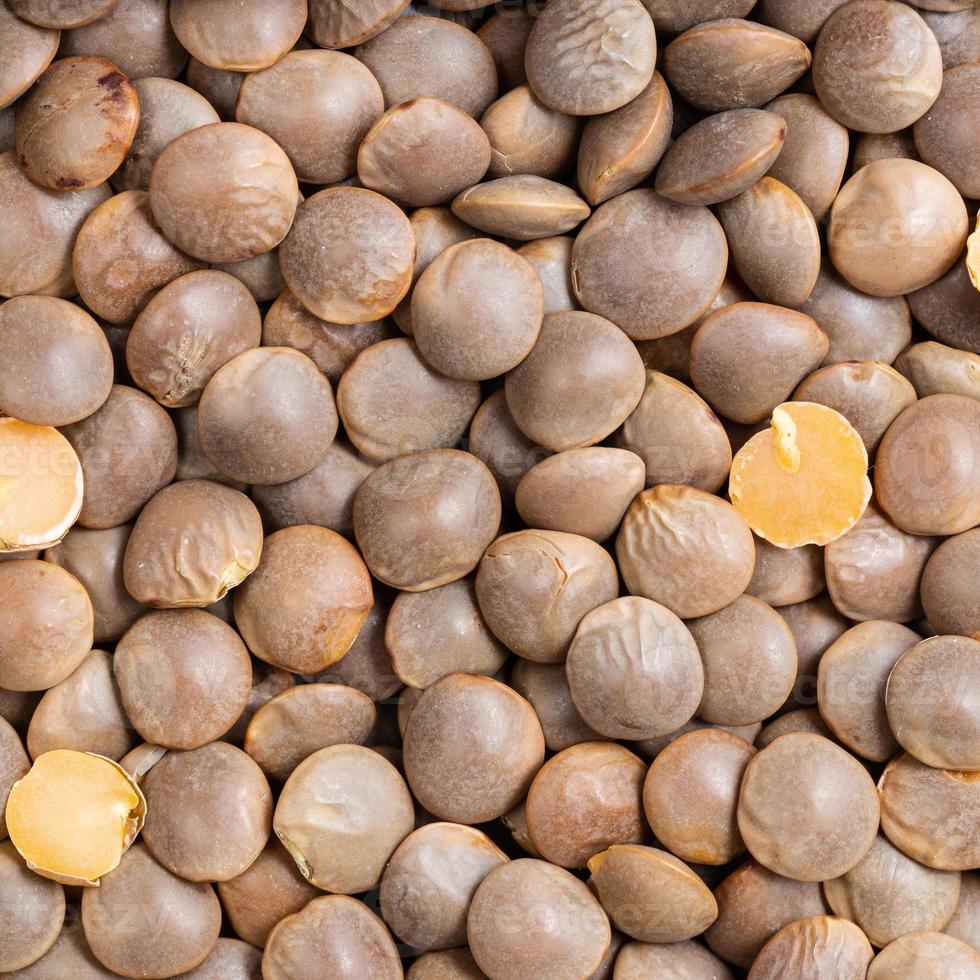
x=116 y=82
x=113 y=80
x=68 y=182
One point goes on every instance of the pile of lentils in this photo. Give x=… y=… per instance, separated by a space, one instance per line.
x=490 y=490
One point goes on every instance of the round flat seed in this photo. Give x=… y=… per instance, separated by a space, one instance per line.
x=586 y=61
